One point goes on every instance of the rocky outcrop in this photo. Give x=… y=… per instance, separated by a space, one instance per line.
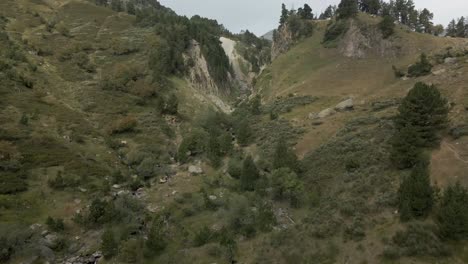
x=241 y=67
x=346 y=105
x=363 y=42
x=282 y=41
x=199 y=75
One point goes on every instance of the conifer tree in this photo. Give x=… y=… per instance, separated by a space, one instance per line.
x=426 y=111
x=249 y=174
x=405 y=147
x=452 y=215
x=284 y=157
x=347 y=9
x=284 y=14
x=452 y=29
x=416 y=195
x=109 y=245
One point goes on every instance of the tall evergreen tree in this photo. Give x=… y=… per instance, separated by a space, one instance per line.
x=249 y=174
x=284 y=157
x=460 y=28
x=425 y=20
x=307 y=12
x=416 y=195
x=452 y=29
x=328 y=13
x=426 y=110
x=347 y=9
x=109 y=245
x=405 y=151
x=452 y=214
x=284 y=14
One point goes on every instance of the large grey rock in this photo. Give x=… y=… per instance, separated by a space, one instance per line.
x=450 y=60
x=195 y=170
x=439 y=72
x=345 y=105
x=322 y=114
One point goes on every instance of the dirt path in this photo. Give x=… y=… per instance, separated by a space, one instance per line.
x=452 y=149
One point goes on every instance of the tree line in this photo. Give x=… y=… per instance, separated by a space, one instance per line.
x=458 y=28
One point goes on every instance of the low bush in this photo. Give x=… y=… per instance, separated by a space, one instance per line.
x=421 y=68
x=126 y=124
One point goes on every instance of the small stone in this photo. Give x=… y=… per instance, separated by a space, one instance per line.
x=212 y=197
x=439 y=72
x=116 y=186
x=83 y=190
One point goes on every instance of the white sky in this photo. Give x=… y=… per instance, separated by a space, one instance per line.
x=261 y=16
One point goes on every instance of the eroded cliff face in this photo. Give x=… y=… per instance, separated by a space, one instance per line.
x=363 y=42
x=198 y=73
x=282 y=41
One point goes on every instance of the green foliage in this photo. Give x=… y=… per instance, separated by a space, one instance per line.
x=286 y=185
x=299 y=27
x=249 y=175
x=418 y=240
x=12 y=183
x=405 y=151
x=387 y=26
x=55 y=225
x=157 y=237
x=452 y=214
x=109 y=244
x=416 y=195
x=243 y=132
x=203 y=236
x=130 y=251
x=347 y=9
x=335 y=30
x=235 y=167
x=255 y=105
x=284 y=157
x=426 y=111
x=421 y=68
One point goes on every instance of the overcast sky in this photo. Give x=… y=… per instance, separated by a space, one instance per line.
x=260 y=16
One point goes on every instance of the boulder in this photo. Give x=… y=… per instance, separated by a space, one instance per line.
x=195 y=170
x=325 y=113
x=345 y=105
x=439 y=72
x=450 y=60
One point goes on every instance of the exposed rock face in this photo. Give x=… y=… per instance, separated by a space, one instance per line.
x=363 y=43
x=450 y=60
x=199 y=74
x=244 y=79
x=281 y=42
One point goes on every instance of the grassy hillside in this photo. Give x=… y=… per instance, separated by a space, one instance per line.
x=97 y=156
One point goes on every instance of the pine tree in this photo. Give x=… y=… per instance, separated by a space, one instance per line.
x=307 y=12
x=452 y=29
x=460 y=28
x=249 y=174
x=387 y=26
x=109 y=245
x=131 y=8
x=347 y=9
x=243 y=132
x=284 y=14
x=405 y=151
x=157 y=240
x=452 y=214
x=416 y=195
x=328 y=13
x=284 y=157
x=421 y=68
x=426 y=111
x=425 y=20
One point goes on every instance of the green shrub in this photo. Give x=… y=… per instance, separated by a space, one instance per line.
x=334 y=31
x=203 y=236
x=109 y=244
x=126 y=124
x=387 y=26
x=419 y=240
x=421 y=68
x=452 y=214
x=286 y=185
x=56 y=225
x=12 y=183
